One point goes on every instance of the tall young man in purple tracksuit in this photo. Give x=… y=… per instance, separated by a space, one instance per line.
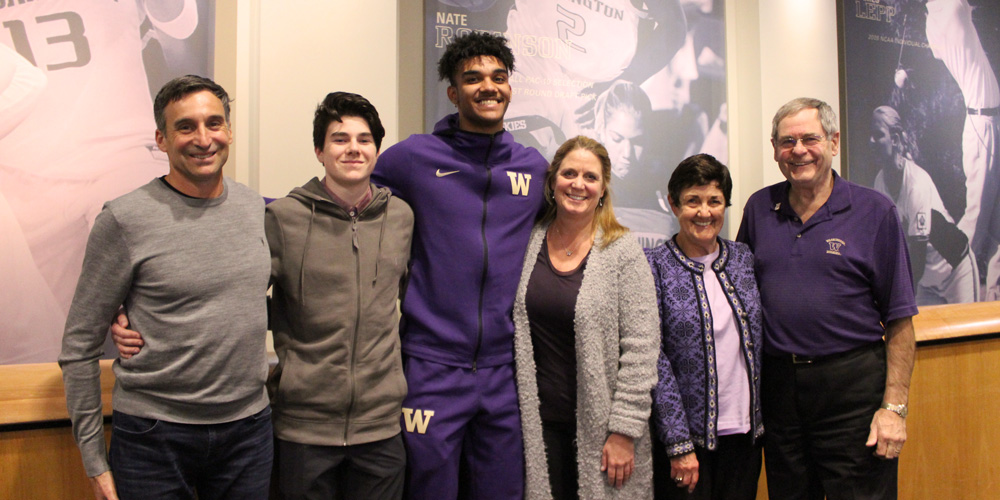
x=475 y=193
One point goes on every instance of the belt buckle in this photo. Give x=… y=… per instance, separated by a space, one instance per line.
x=801 y=360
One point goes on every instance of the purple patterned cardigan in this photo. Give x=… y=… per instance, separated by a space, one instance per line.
x=685 y=399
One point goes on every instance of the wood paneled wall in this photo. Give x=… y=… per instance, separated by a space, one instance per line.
x=42 y=464
x=953 y=434
x=38 y=456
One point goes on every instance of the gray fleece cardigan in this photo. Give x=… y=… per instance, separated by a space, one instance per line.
x=617 y=335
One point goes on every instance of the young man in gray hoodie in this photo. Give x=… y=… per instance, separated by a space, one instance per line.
x=339 y=252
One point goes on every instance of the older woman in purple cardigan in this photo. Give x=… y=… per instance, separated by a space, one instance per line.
x=706 y=404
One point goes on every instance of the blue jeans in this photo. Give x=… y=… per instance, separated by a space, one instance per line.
x=154 y=459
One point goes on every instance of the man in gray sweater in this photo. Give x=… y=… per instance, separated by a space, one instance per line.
x=187 y=257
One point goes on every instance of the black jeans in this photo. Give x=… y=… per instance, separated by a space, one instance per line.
x=817 y=417
x=366 y=471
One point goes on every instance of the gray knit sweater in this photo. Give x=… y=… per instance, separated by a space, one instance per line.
x=617 y=337
x=192 y=274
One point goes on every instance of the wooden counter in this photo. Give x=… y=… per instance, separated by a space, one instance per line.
x=38 y=456
x=953 y=436
x=957 y=321
x=34 y=392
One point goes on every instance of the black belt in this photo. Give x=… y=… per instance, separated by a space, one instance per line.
x=798 y=359
x=984 y=111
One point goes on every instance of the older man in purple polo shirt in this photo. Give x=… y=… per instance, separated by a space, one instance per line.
x=837 y=296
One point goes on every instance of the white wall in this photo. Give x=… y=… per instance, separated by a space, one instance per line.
x=289 y=55
x=798 y=58
x=778 y=50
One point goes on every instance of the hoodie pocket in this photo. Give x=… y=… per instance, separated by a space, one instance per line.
x=312 y=389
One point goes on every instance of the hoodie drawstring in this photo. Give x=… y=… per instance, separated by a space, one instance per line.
x=305 y=250
x=381 y=233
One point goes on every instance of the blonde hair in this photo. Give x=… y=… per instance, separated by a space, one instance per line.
x=604 y=214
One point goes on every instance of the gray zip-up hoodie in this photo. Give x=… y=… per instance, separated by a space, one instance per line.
x=336 y=277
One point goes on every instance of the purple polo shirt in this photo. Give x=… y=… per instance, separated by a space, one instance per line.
x=829 y=285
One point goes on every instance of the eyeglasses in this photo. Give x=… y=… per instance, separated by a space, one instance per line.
x=809 y=141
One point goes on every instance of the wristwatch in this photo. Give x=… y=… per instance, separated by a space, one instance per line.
x=897 y=409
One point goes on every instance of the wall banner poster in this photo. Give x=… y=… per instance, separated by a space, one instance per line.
x=76 y=130
x=921 y=107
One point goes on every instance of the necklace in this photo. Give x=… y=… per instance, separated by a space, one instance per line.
x=575 y=244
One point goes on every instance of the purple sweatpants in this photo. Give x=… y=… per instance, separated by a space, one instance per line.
x=458 y=419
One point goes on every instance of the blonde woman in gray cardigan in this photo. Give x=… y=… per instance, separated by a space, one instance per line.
x=586 y=334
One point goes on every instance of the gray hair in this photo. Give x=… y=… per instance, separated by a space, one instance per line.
x=827 y=117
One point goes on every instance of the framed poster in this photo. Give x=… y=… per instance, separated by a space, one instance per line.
x=76 y=130
x=645 y=78
x=920 y=104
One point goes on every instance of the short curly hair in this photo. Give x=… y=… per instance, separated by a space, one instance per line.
x=471 y=45
x=700 y=170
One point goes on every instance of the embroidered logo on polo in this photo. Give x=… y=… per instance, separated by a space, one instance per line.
x=922 y=225
x=835 y=244
x=519 y=183
x=439 y=173
x=417 y=419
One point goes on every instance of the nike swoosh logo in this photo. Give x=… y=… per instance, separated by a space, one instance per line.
x=439 y=173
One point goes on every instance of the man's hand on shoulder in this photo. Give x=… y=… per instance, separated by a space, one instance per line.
x=104 y=486
x=888 y=433
x=128 y=342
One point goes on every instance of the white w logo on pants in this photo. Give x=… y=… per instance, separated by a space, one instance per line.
x=417 y=419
